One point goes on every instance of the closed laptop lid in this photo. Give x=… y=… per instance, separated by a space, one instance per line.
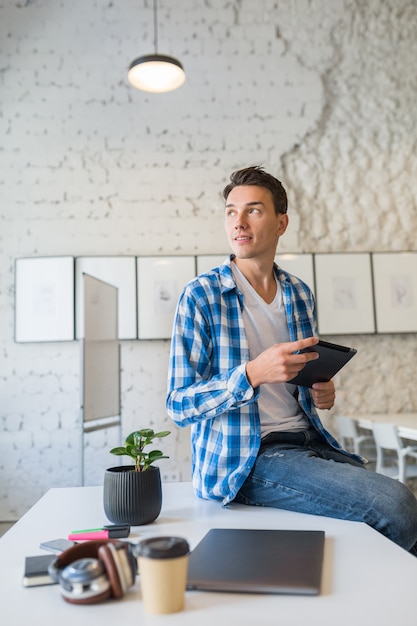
x=258 y=561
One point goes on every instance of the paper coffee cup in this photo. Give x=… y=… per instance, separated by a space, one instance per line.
x=163 y=566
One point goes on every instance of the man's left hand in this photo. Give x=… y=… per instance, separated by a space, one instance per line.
x=323 y=395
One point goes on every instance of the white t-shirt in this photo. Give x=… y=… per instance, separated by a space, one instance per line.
x=266 y=325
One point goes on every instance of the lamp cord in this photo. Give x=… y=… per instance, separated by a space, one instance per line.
x=155 y=27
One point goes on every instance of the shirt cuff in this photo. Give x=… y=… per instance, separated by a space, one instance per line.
x=239 y=386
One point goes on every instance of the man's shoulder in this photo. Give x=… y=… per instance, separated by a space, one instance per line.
x=291 y=279
x=218 y=278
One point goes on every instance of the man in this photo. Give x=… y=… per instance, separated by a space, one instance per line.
x=256 y=438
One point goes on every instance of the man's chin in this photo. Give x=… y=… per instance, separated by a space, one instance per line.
x=241 y=253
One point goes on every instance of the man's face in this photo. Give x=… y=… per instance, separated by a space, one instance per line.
x=252 y=226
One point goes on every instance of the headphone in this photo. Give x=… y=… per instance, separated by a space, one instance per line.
x=93 y=571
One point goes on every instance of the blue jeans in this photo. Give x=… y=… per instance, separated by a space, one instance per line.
x=301 y=472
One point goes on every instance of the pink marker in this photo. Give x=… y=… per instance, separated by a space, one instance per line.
x=100 y=534
x=118 y=532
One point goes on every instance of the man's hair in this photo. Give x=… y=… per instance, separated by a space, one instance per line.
x=257 y=176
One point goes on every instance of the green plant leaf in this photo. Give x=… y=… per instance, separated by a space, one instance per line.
x=162 y=433
x=146 y=432
x=118 y=451
x=135 y=443
x=133 y=450
x=130 y=439
x=156 y=455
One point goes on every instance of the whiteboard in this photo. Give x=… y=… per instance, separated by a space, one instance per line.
x=101 y=351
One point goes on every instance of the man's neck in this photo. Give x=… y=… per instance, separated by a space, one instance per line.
x=260 y=275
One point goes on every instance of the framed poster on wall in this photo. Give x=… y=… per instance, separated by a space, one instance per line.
x=344 y=293
x=119 y=271
x=160 y=282
x=206 y=262
x=44 y=299
x=301 y=265
x=395 y=284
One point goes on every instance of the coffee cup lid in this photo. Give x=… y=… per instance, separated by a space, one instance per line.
x=163 y=547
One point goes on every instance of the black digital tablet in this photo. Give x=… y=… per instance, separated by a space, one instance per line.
x=332 y=357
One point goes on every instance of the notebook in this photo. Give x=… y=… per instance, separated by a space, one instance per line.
x=258 y=561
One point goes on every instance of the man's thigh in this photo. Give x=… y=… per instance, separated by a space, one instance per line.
x=301 y=479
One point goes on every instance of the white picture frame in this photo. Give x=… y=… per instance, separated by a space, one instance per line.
x=160 y=281
x=395 y=285
x=119 y=271
x=206 y=262
x=298 y=264
x=44 y=299
x=344 y=293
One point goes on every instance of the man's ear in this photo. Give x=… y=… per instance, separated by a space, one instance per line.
x=282 y=223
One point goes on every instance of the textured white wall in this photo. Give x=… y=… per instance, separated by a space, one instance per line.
x=322 y=94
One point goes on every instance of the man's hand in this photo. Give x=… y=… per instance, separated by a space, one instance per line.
x=323 y=395
x=279 y=363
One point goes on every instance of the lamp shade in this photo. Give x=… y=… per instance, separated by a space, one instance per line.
x=156 y=73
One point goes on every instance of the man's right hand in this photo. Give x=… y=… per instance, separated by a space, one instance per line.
x=279 y=363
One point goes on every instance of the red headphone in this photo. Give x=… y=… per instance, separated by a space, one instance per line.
x=93 y=571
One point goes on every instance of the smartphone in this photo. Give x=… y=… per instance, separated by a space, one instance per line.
x=57 y=545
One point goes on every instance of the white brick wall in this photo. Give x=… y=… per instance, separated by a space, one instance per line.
x=323 y=94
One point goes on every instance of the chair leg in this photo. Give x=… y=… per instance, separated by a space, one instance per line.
x=401 y=468
x=379 y=461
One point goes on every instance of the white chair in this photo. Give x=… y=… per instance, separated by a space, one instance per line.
x=349 y=435
x=391 y=453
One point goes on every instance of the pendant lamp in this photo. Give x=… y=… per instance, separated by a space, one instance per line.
x=156 y=73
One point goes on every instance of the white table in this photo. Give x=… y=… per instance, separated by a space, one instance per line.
x=406 y=422
x=367 y=579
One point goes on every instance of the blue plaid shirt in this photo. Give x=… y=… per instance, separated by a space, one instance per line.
x=207 y=384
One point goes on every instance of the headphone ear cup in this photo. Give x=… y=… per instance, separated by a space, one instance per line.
x=84 y=581
x=108 y=556
x=120 y=567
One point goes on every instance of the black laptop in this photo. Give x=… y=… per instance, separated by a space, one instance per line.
x=258 y=561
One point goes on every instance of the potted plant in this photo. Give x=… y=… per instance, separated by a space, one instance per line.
x=132 y=494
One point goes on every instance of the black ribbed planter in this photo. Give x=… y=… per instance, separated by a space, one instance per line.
x=132 y=497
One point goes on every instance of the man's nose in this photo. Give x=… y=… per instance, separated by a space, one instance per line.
x=240 y=222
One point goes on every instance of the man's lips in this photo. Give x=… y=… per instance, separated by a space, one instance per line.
x=242 y=238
